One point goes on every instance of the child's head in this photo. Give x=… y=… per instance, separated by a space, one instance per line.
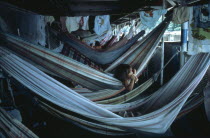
x=123 y=72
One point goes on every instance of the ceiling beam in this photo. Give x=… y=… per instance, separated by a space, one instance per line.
x=83 y=7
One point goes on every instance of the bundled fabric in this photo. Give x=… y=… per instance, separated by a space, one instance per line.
x=158 y=110
x=181 y=15
x=12 y=127
x=199 y=38
x=150 y=18
x=102 y=24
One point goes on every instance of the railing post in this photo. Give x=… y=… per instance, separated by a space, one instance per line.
x=184 y=33
x=162 y=51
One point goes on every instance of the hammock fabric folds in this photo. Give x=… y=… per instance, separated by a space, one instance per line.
x=78 y=72
x=99 y=56
x=61 y=65
x=12 y=127
x=158 y=110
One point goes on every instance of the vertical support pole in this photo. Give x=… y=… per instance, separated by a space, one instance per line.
x=184 y=33
x=162 y=62
x=162 y=52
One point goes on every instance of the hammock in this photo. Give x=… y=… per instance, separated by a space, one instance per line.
x=105 y=56
x=103 y=94
x=158 y=110
x=99 y=96
x=140 y=53
x=12 y=127
x=108 y=130
x=195 y=99
x=66 y=71
x=145 y=51
x=65 y=67
x=76 y=55
x=207 y=101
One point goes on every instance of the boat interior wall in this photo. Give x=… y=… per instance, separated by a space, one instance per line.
x=29 y=26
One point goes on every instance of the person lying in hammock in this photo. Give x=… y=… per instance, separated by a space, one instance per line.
x=127 y=75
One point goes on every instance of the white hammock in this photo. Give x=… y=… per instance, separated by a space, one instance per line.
x=159 y=110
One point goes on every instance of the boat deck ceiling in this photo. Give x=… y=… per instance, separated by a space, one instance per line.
x=84 y=7
x=121 y=10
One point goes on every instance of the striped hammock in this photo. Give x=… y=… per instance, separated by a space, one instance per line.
x=105 y=56
x=105 y=96
x=158 y=110
x=68 y=68
x=146 y=50
x=62 y=65
x=139 y=54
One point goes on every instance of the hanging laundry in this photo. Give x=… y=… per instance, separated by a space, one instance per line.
x=102 y=39
x=149 y=18
x=75 y=23
x=102 y=24
x=199 y=38
x=49 y=19
x=125 y=29
x=84 y=23
x=181 y=15
x=202 y=15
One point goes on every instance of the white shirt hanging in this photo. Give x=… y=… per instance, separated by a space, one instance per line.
x=150 y=19
x=102 y=24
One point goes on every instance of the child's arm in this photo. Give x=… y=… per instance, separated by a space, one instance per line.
x=134 y=72
x=129 y=86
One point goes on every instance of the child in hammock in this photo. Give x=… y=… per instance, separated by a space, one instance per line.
x=127 y=75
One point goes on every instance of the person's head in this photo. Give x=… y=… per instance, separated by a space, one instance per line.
x=123 y=72
x=97 y=43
